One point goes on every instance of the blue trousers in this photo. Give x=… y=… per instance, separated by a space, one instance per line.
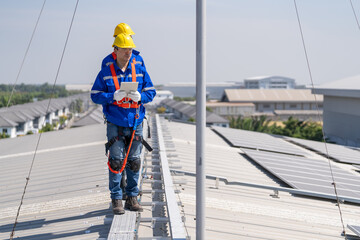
x=118 y=151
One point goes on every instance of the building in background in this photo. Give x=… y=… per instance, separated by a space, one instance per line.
x=269 y=82
x=79 y=87
x=187 y=113
x=229 y=109
x=269 y=100
x=161 y=95
x=342 y=110
x=31 y=117
x=213 y=90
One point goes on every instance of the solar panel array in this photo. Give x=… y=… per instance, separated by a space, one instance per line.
x=309 y=174
x=355 y=229
x=337 y=152
x=256 y=140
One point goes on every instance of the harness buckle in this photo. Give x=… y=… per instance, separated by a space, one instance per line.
x=126 y=105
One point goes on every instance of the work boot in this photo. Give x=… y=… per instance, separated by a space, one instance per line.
x=132 y=204
x=117 y=207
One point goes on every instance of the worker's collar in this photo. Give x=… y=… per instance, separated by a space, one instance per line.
x=128 y=65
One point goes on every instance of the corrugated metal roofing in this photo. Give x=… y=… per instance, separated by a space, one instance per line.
x=95 y=116
x=67 y=196
x=190 y=111
x=236 y=212
x=4 y=122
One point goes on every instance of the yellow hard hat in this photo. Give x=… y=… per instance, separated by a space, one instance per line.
x=123 y=28
x=124 y=41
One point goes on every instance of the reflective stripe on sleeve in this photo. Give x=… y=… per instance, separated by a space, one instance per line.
x=137 y=75
x=147 y=89
x=95 y=91
x=119 y=76
x=108 y=63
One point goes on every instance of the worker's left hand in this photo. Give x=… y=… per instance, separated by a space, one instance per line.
x=135 y=96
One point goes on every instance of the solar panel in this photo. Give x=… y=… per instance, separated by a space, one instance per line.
x=308 y=174
x=355 y=229
x=337 y=152
x=256 y=140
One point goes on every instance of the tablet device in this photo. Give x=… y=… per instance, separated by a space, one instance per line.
x=129 y=86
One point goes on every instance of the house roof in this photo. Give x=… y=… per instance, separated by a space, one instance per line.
x=190 y=111
x=95 y=116
x=29 y=111
x=347 y=87
x=4 y=122
x=271 y=95
x=229 y=104
x=257 y=78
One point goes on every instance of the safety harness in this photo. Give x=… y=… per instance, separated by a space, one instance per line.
x=125 y=103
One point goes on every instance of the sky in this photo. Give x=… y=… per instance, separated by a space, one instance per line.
x=244 y=38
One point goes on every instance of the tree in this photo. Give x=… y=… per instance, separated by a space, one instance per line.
x=292 y=127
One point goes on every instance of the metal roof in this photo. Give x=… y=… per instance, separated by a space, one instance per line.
x=190 y=111
x=271 y=95
x=4 y=122
x=67 y=196
x=347 y=87
x=238 y=212
x=95 y=116
x=257 y=78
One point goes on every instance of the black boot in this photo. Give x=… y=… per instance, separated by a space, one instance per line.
x=117 y=206
x=132 y=204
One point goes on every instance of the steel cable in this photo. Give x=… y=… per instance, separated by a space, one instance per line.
x=47 y=109
x=317 y=108
x=356 y=18
x=26 y=52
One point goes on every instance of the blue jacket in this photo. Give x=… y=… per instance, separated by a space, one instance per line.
x=103 y=90
x=109 y=59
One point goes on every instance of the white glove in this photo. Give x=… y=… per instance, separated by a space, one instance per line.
x=135 y=96
x=119 y=94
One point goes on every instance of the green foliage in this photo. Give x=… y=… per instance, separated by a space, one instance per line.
x=62 y=119
x=258 y=124
x=180 y=99
x=292 y=127
x=209 y=109
x=160 y=110
x=25 y=93
x=4 y=135
x=47 y=128
x=29 y=133
x=191 y=119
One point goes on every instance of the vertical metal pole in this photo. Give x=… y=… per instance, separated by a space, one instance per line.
x=200 y=116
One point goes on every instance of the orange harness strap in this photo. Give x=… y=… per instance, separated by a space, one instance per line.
x=124 y=105
x=125 y=102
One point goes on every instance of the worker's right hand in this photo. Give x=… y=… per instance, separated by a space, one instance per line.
x=119 y=94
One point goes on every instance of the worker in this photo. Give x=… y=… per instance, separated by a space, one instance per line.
x=122 y=111
x=111 y=58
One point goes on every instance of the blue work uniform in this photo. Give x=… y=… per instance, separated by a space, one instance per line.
x=103 y=90
x=109 y=59
x=121 y=120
